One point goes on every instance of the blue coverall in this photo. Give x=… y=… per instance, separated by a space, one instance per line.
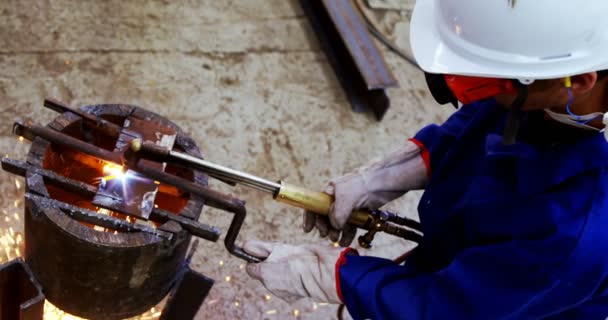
x=510 y=232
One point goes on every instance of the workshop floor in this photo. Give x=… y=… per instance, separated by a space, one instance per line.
x=244 y=78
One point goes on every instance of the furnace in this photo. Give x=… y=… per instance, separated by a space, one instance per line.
x=108 y=242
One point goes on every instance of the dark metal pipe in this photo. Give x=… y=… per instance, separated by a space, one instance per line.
x=105 y=126
x=30 y=131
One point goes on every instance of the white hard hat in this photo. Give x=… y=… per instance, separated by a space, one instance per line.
x=515 y=39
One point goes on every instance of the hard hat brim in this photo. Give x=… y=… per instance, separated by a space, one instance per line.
x=435 y=55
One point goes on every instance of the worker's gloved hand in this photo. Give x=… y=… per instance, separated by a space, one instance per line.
x=369 y=187
x=295 y=272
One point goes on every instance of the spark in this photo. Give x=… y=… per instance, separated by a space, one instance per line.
x=296 y=312
x=314 y=306
x=21 y=139
x=221 y=263
x=267 y=297
x=336 y=244
x=156 y=206
x=16 y=217
x=237 y=303
x=17 y=184
x=228 y=278
x=114 y=171
x=273 y=311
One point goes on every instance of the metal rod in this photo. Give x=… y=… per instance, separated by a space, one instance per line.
x=155 y=152
x=30 y=131
x=195 y=228
x=227 y=173
x=95 y=218
x=109 y=128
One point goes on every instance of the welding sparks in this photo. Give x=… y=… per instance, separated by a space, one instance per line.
x=113 y=171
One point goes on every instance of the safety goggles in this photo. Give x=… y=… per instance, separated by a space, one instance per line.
x=453 y=88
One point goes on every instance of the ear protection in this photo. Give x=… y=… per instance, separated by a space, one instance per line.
x=453 y=88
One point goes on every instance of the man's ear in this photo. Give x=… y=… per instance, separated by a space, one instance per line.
x=583 y=83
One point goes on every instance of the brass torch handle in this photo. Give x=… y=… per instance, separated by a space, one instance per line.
x=315 y=201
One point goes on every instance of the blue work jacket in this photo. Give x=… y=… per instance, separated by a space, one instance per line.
x=510 y=232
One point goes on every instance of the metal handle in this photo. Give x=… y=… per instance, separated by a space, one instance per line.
x=318 y=202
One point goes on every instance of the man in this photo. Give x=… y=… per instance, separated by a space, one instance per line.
x=515 y=209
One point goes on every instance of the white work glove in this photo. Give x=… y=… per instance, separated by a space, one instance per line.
x=295 y=272
x=369 y=187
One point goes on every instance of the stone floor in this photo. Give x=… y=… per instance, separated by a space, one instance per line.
x=245 y=78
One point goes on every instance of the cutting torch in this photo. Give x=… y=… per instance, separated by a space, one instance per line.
x=371 y=220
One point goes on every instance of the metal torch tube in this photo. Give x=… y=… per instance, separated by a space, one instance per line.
x=226 y=173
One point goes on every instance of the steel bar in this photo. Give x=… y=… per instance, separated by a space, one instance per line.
x=21 y=168
x=21 y=296
x=92 y=121
x=212 y=198
x=85 y=215
x=357 y=62
x=195 y=228
x=158 y=215
x=107 y=127
x=30 y=131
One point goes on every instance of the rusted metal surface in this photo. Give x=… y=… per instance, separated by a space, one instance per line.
x=195 y=228
x=21 y=296
x=355 y=58
x=365 y=53
x=89 y=273
x=135 y=196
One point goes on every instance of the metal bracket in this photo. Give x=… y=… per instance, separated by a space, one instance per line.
x=21 y=296
x=355 y=58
